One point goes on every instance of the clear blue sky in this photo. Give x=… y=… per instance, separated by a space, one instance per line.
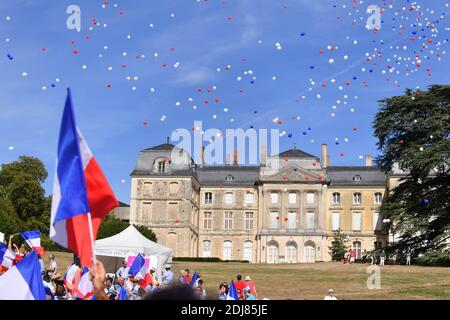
x=192 y=39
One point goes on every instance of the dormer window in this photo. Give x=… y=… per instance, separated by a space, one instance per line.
x=229 y=178
x=357 y=178
x=161 y=166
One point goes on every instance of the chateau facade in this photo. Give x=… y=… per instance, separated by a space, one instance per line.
x=283 y=211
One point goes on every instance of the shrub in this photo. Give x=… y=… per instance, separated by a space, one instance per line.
x=434 y=259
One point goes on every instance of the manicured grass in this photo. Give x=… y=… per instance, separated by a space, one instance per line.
x=312 y=281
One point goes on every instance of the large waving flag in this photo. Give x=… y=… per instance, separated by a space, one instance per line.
x=85 y=288
x=82 y=196
x=6 y=256
x=232 y=293
x=138 y=269
x=23 y=281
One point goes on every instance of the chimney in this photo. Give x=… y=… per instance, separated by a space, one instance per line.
x=263 y=155
x=235 y=161
x=228 y=160
x=202 y=156
x=368 y=160
x=324 y=156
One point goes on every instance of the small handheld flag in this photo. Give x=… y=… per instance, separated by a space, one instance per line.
x=32 y=238
x=138 y=269
x=194 y=279
x=23 y=281
x=123 y=294
x=6 y=256
x=85 y=288
x=232 y=293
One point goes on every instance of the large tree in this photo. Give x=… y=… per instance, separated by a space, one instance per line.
x=413 y=132
x=21 y=182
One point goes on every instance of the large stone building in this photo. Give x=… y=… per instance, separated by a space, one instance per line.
x=256 y=213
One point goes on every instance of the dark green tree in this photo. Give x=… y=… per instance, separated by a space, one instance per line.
x=112 y=226
x=338 y=247
x=21 y=181
x=413 y=136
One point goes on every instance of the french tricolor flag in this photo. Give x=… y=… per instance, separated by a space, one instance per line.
x=72 y=277
x=23 y=281
x=32 y=238
x=6 y=256
x=232 y=293
x=82 y=196
x=85 y=288
x=138 y=269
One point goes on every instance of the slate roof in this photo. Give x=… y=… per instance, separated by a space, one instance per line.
x=296 y=153
x=216 y=175
x=343 y=176
x=161 y=147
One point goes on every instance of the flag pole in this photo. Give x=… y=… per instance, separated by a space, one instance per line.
x=91 y=233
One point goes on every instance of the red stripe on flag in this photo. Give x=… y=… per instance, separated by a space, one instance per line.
x=101 y=198
x=79 y=238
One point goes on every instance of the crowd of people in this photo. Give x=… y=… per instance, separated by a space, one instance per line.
x=123 y=286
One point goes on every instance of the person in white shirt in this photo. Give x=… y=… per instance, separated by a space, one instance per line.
x=123 y=270
x=330 y=295
x=52 y=265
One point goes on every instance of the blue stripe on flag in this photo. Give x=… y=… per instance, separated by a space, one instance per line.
x=30 y=270
x=70 y=172
x=137 y=265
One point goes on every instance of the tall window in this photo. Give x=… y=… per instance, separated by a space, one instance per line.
x=292 y=220
x=228 y=221
x=248 y=250
x=249 y=221
x=292 y=197
x=272 y=252
x=310 y=220
x=336 y=198
x=207 y=220
x=357 y=247
x=229 y=198
x=356 y=221
x=291 y=252
x=207 y=249
x=310 y=198
x=161 y=166
x=378 y=197
x=274 y=197
x=227 y=250
x=273 y=220
x=208 y=197
x=249 y=198
x=376 y=216
x=335 y=220
x=357 y=198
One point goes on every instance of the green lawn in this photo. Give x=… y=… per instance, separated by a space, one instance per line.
x=312 y=281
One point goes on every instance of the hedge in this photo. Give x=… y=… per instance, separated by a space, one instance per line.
x=211 y=259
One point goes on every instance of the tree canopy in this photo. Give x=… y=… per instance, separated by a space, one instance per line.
x=413 y=137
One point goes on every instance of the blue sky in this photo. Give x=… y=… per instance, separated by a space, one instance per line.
x=177 y=47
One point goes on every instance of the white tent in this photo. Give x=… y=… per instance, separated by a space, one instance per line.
x=111 y=251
